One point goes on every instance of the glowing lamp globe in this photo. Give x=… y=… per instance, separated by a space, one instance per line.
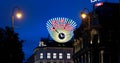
x=61 y=29
x=19 y=15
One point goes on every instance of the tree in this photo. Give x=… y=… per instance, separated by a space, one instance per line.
x=10 y=46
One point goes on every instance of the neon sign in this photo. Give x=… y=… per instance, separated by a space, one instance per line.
x=61 y=29
x=94 y=1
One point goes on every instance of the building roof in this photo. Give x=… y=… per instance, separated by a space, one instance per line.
x=52 y=43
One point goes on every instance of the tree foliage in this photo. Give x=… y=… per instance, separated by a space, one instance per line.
x=10 y=46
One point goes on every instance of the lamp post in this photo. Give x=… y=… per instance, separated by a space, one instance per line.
x=91 y=30
x=16 y=13
x=86 y=20
x=86 y=17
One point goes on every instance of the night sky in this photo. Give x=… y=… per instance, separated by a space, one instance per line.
x=32 y=27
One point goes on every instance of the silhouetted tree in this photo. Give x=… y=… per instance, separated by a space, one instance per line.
x=10 y=46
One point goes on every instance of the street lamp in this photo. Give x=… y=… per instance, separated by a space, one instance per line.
x=16 y=13
x=86 y=19
x=85 y=16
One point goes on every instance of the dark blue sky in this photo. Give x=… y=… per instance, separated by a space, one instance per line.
x=36 y=13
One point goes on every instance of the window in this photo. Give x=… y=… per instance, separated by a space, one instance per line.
x=41 y=55
x=68 y=56
x=48 y=55
x=54 y=55
x=60 y=55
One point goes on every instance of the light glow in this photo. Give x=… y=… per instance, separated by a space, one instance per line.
x=99 y=4
x=19 y=15
x=83 y=15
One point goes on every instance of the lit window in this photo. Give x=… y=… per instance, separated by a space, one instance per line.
x=48 y=55
x=60 y=55
x=68 y=56
x=41 y=55
x=54 y=55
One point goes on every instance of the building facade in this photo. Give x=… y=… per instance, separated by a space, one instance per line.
x=52 y=52
x=98 y=42
x=53 y=55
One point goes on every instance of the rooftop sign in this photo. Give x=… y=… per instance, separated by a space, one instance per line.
x=93 y=1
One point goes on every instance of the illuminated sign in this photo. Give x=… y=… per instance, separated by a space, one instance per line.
x=61 y=29
x=94 y=1
x=99 y=4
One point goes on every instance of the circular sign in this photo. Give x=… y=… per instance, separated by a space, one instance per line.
x=61 y=29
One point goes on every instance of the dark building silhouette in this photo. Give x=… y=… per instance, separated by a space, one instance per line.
x=99 y=43
x=109 y=15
